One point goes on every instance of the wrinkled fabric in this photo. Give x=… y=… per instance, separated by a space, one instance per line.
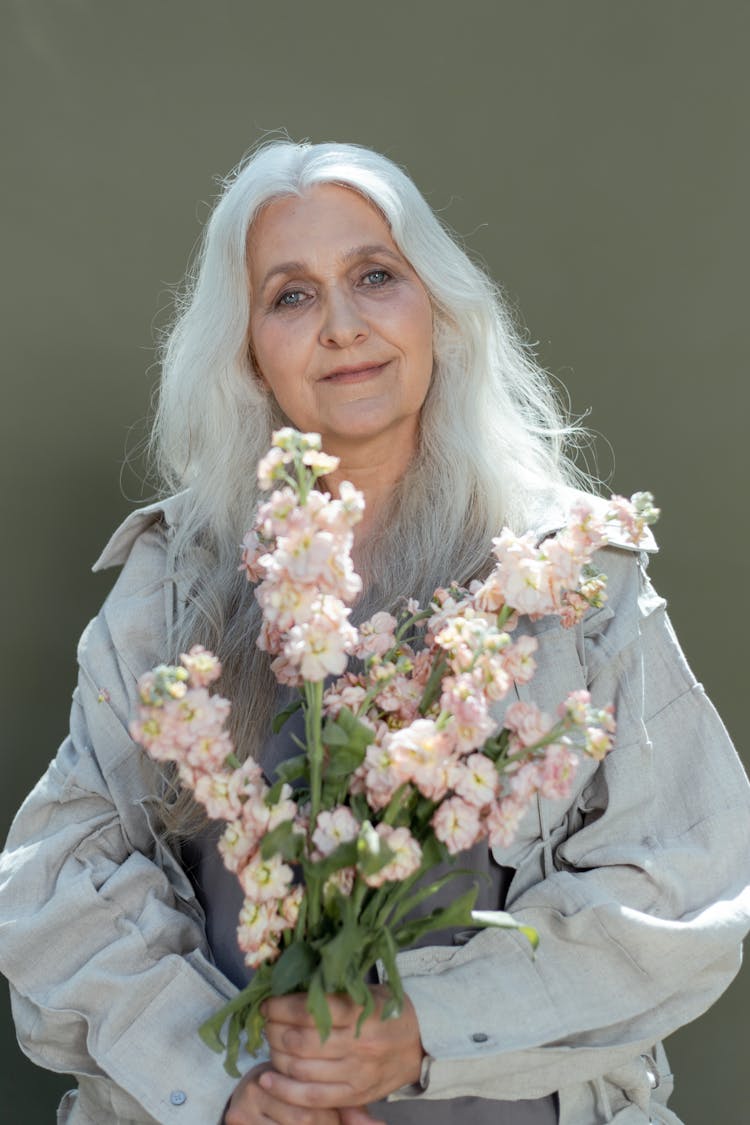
x=637 y=884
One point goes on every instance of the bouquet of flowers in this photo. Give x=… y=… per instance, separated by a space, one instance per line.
x=402 y=765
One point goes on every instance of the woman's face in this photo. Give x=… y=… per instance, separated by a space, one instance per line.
x=341 y=326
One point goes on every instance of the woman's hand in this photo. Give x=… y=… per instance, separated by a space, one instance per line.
x=346 y=1070
x=252 y=1105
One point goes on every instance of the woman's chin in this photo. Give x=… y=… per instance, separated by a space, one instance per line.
x=360 y=426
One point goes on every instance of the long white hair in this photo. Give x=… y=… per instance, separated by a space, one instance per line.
x=492 y=437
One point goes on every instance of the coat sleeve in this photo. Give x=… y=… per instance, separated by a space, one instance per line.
x=100 y=938
x=643 y=904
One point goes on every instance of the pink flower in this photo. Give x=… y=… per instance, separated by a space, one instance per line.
x=404 y=863
x=286 y=603
x=598 y=743
x=518 y=659
x=465 y=701
x=212 y=791
x=245 y=782
x=340 y=516
x=275 y=515
x=417 y=754
x=341 y=881
x=320 y=463
x=320 y=646
x=255 y=956
x=208 y=752
x=503 y=820
x=456 y=824
x=202 y=666
x=260 y=921
x=376 y=636
x=400 y=696
x=265 y=879
x=476 y=780
x=489 y=596
x=258 y=932
x=558 y=770
x=524 y=781
x=305 y=555
x=381 y=780
x=527 y=722
x=236 y=845
x=252 y=551
x=633 y=515
x=256 y=814
x=285 y=808
x=348 y=691
x=338 y=826
x=289 y=907
x=272 y=468
x=576 y=708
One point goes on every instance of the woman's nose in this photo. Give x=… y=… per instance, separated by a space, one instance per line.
x=343 y=323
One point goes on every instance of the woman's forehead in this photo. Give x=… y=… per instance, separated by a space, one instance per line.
x=327 y=222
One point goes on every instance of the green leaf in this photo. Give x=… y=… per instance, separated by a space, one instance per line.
x=283 y=840
x=254 y=1022
x=347 y=730
x=273 y=795
x=433 y=852
x=395 y=1002
x=338 y=955
x=284 y=714
x=345 y=855
x=359 y=806
x=358 y=990
x=292 y=971
x=246 y=1007
x=317 y=1006
x=368 y=1007
x=233 y=1045
x=504 y=921
x=423 y=893
x=458 y=913
x=343 y=761
x=294 y=768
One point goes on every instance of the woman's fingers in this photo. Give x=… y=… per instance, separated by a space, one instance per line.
x=305 y=1041
x=314 y=1095
x=251 y=1104
x=328 y=1071
x=348 y=1069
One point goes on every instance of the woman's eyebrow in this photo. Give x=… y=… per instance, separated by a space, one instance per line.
x=356 y=252
x=369 y=249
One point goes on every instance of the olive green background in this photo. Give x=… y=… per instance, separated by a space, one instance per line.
x=591 y=153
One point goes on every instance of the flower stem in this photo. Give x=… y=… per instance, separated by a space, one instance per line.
x=313 y=725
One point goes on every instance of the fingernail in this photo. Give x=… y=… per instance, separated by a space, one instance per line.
x=265 y=1080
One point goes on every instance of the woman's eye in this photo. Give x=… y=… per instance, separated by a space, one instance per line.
x=292 y=299
x=376 y=277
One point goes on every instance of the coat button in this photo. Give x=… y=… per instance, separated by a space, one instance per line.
x=178 y=1097
x=480 y=1037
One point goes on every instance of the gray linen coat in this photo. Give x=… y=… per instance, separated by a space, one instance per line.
x=637 y=885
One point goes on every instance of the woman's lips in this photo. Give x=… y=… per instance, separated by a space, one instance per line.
x=354 y=374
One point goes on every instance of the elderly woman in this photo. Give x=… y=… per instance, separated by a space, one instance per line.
x=327 y=295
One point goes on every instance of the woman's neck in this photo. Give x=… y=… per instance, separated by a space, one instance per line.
x=376 y=473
